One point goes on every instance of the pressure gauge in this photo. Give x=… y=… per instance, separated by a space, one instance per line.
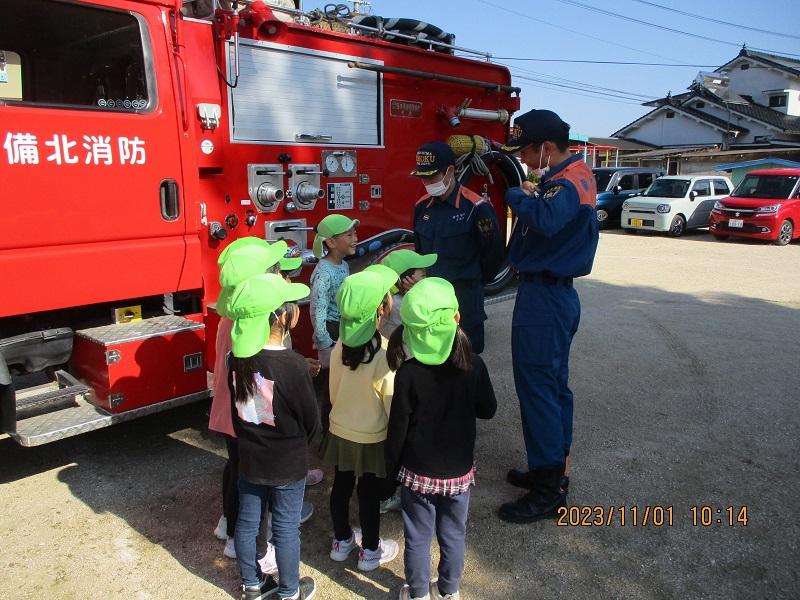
x=332 y=163
x=348 y=164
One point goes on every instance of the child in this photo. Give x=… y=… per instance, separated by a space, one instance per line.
x=240 y=260
x=275 y=415
x=410 y=268
x=336 y=239
x=361 y=395
x=439 y=392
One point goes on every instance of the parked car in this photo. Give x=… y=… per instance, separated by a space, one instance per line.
x=765 y=206
x=675 y=203
x=617 y=184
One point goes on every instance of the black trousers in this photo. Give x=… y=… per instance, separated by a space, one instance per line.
x=369 y=504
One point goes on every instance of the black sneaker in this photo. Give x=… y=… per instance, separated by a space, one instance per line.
x=259 y=592
x=308 y=590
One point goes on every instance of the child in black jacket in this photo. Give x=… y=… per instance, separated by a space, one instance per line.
x=438 y=394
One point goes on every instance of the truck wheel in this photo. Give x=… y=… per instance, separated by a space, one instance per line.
x=785 y=233
x=501 y=280
x=677 y=227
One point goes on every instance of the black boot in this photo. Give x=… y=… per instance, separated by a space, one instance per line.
x=521 y=479
x=542 y=502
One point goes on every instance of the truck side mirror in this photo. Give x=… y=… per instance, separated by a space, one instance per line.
x=617 y=189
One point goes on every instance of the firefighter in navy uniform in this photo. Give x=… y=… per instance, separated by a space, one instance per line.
x=459 y=226
x=554 y=241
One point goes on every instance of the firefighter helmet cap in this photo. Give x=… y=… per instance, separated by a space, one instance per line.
x=432 y=158
x=535 y=127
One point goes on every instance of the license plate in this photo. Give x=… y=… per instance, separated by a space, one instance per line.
x=636 y=222
x=736 y=223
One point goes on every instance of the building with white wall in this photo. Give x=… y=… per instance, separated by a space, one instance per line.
x=752 y=101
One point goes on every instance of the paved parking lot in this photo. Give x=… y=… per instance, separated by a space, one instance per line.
x=686 y=379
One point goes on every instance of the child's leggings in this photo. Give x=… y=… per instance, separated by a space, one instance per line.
x=369 y=506
x=447 y=516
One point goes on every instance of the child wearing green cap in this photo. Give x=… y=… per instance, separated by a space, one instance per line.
x=438 y=393
x=275 y=417
x=335 y=240
x=410 y=268
x=361 y=387
x=240 y=260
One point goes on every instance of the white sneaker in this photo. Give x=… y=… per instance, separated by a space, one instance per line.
x=314 y=476
x=405 y=594
x=221 y=531
x=369 y=560
x=268 y=564
x=230 y=549
x=340 y=550
x=437 y=595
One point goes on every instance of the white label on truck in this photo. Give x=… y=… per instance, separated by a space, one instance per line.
x=340 y=196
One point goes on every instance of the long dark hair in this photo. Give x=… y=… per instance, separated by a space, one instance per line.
x=244 y=383
x=460 y=354
x=352 y=356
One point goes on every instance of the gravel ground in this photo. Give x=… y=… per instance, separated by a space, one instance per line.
x=685 y=373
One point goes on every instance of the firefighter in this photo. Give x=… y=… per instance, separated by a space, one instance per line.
x=553 y=242
x=459 y=226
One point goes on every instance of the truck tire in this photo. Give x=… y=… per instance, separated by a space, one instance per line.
x=501 y=280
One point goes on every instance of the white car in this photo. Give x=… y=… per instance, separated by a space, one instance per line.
x=675 y=203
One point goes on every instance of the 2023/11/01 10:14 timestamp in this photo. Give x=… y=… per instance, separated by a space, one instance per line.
x=708 y=516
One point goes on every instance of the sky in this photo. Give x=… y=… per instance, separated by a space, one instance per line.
x=558 y=29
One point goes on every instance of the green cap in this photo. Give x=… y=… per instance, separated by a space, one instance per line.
x=358 y=299
x=250 y=306
x=429 y=325
x=401 y=261
x=243 y=261
x=330 y=226
x=291 y=264
x=240 y=243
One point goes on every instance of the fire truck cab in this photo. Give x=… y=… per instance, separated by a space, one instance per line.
x=140 y=137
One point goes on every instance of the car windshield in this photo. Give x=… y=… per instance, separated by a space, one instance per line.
x=602 y=178
x=766 y=186
x=668 y=188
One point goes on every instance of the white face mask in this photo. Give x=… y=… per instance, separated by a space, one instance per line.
x=438 y=188
x=541 y=171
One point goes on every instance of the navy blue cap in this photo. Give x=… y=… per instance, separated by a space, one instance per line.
x=535 y=127
x=432 y=158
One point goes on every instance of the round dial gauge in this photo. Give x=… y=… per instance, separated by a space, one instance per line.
x=332 y=163
x=348 y=164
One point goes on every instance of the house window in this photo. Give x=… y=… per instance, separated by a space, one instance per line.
x=670 y=114
x=700 y=105
x=776 y=101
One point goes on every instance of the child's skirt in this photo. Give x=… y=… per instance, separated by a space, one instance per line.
x=353 y=456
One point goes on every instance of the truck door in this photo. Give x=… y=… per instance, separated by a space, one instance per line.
x=90 y=159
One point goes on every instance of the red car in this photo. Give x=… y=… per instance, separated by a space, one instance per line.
x=764 y=206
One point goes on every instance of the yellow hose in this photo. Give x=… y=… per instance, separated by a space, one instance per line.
x=464 y=144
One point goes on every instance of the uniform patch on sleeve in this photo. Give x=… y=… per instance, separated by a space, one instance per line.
x=585 y=185
x=552 y=191
x=485 y=226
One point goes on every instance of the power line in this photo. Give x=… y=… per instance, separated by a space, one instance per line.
x=662 y=27
x=574 y=31
x=603 y=62
x=577 y=88
x=573 y=93
x=718 y=21
x=580 y=83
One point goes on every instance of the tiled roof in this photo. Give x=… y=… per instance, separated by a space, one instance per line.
x=785 y=63
x=787 y=123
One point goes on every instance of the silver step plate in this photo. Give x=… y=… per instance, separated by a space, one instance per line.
x=85 y=417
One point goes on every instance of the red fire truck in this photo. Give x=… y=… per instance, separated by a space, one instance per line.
x=139 y=137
